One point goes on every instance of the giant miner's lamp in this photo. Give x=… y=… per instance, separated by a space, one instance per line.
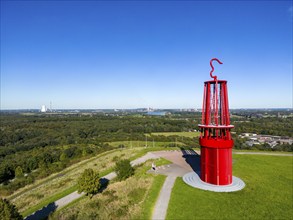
x=215 y=141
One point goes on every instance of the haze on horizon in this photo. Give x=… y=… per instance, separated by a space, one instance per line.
x=107 y=55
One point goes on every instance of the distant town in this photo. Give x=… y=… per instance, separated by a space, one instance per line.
x=246 y=112
x=271 y=140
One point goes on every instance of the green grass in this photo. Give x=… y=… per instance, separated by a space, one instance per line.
x=262 y=151
x=184 y=134
x=150 y=143
x=162 y=161
x=267 y=195
x=153 y=194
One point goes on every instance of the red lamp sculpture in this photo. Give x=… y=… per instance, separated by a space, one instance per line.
x=215 y=139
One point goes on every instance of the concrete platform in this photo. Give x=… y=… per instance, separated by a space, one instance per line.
x=194 y=180
x=169 y=170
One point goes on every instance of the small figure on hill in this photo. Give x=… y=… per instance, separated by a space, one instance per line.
x=153 y=166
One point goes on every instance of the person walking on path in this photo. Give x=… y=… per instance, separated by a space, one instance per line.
x=153 y=166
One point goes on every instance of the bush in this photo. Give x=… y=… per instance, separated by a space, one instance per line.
x=18 y=172
x=115 y=159
x=8 y=211
x=89 y=182
x=124 y=169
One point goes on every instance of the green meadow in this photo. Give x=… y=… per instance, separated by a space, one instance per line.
x=181 y=134
x=268 y=193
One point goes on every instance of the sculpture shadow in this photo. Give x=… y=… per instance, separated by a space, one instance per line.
x=192 y=158
x=42 y=213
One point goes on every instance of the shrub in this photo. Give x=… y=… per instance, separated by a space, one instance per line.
x=8 y=211
x=89 y=182
x=124 y=169
x=18 y=172
x=115 y=159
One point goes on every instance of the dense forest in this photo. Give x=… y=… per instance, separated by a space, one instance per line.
x=34 y=146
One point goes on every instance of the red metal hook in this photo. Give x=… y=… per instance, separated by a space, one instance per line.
x=211 y=63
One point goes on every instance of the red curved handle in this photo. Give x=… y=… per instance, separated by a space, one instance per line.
x=211 y=63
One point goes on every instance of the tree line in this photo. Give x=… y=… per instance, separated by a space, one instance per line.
x=34 y=146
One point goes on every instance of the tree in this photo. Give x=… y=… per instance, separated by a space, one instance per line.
x=6 y=172
x=89 y=182
x=8 y=211
x=32 y=163
x=86 y=151
x=124 y=169
x=63 y=157
x=18 y=171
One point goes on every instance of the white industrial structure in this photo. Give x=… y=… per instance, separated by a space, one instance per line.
x=44 y=108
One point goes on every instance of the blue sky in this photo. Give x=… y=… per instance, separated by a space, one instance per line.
x=100 y=54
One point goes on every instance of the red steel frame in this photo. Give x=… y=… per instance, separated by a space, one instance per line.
x=215 y=139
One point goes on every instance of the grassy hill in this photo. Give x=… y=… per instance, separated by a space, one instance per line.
x=39 y=194
x=45 y=191
x=133 y=198
x=267 y=195
x=268 y=192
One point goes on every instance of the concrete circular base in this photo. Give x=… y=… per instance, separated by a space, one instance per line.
x=194 y=180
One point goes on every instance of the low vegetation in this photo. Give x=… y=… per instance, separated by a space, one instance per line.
x=190 y=134
x=40 y=194
x=123 y=169
x=132 y=198
x=66 y=180
x=267 y=194
x=8 y=211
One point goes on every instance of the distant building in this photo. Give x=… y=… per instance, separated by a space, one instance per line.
x=272 y=140
x=43 y=108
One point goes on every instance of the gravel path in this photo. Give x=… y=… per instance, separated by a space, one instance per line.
x=45 y=211
x=161 y=206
